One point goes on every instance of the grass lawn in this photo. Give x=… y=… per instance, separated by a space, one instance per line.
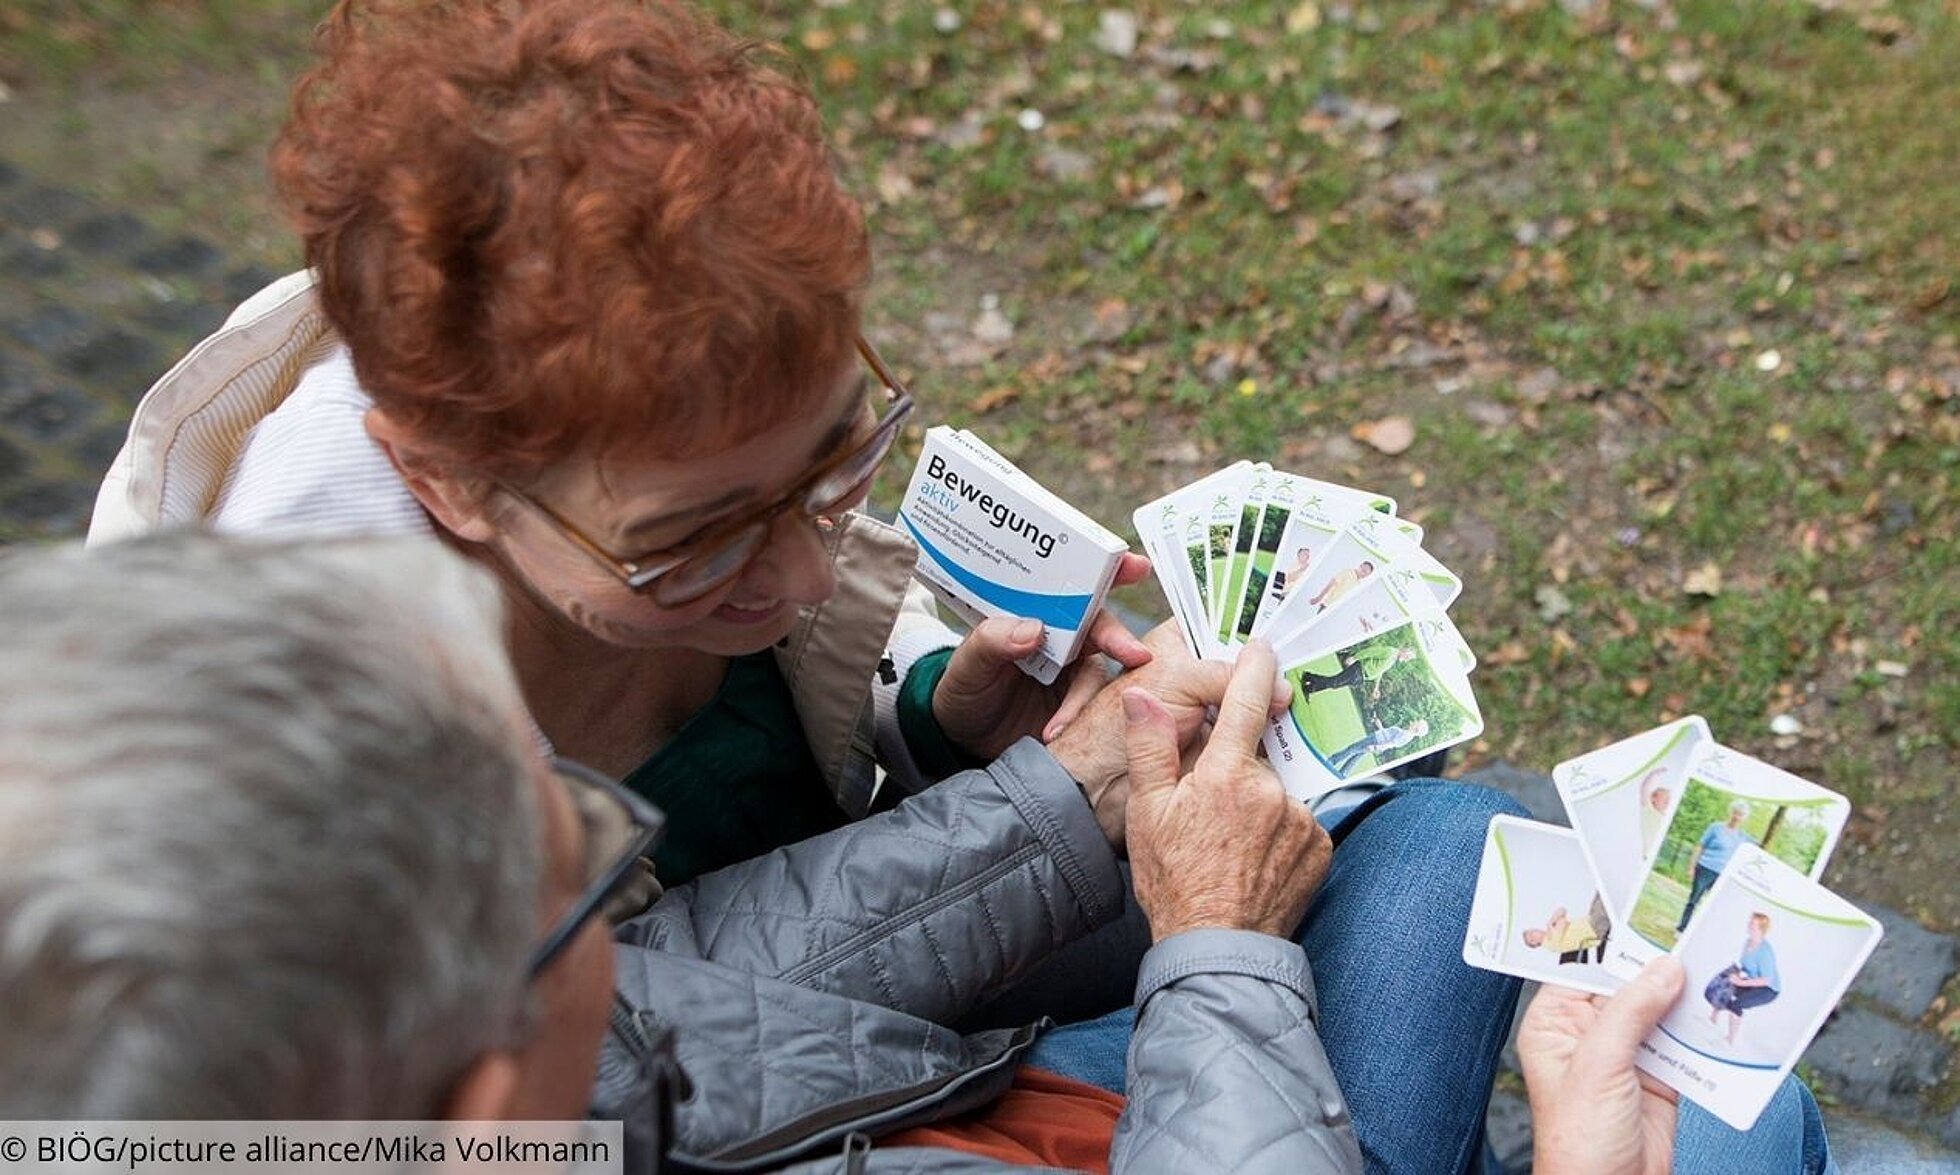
x=1659 y=908
x=1238 y=571
x=1328 y=719
x=1666 y=290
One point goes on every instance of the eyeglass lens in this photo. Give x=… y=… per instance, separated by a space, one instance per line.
x=838 y=489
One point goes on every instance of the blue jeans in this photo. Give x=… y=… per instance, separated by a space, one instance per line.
x=1788 y=1137
x=1412 y=1031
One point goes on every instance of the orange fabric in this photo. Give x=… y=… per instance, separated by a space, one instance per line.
x=1042 y=1120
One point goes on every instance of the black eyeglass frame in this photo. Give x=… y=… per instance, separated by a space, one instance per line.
x=647 y=825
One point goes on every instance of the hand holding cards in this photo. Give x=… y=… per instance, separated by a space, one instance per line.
x=1682 y=846
x=1351 y=603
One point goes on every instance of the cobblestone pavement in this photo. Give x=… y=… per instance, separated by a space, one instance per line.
x=94 y=305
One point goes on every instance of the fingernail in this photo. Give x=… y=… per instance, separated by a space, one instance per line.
x=1026 y=632
x=1136 y=707
x=1054 y=732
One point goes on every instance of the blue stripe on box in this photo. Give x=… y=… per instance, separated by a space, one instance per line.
x=1053 y=611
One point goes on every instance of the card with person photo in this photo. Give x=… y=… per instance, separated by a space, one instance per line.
x=1728 y=801
x=1316 y=514
x=1361 y=708
x=1537 y=912
x=1367 y=548
x=1768 y=956
x=1621 y=797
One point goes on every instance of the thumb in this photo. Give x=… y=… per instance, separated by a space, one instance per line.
x=1150 y=736
x=992 y=644
x=1632 y=1013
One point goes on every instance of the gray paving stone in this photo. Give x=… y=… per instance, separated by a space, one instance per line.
x=97 y=451
x=1529 y=788
x=54 y=508
x=25 y=259
x=41 y=206
x=1865 y=1144
x=1909 y=967
x=114 y=358
x=109 y=232
x=9 y=174
x=1508 y=1128
x=241 y=284
x=183 y=318
x=1877 y=1065
x=13 y=462
x=49 y=330
x=48 y=416
x=180 y=257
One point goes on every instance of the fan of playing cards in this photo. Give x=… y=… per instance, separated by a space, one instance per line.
x=1350 y=602
x=1681 y=845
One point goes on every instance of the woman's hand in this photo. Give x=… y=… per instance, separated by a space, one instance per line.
x=1591 y=1110
x=984 y=703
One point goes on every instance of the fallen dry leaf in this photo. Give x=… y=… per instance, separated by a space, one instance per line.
x=1304 y=18
x=1705 y=580
x=1390 y=435
x=993 y=398
x=1508 y=653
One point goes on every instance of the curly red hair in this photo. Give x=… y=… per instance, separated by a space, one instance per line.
x=555 y=227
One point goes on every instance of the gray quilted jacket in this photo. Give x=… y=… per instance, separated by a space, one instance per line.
x=805 y=993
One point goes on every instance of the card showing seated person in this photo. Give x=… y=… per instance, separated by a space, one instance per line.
x=1538 y=913
x=1768 y=956
x=1729 y=801
x=1363 y=707
x=1620 y=799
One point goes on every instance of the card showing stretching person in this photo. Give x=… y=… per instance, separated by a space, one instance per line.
x=1768 y=957
x=1363 y=707
x=1729 y=802
x=1620 y=798
x=1537 y=912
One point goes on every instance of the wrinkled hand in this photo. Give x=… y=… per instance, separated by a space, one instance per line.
x=1092 y=747
x=984 y=703
x=1220 y=845
x=1591 y=1110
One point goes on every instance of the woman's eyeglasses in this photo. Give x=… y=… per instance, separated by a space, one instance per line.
x=680 y=575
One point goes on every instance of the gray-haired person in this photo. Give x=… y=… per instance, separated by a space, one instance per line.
x=270 y=843
x=275 y=841
x=1718 y=843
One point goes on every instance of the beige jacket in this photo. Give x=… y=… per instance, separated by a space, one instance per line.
x=190 y=434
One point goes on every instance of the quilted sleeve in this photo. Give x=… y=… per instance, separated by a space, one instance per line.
x=1226 y=1068
x=929 y=909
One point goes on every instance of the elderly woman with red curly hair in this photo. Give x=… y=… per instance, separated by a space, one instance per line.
x=583 y=302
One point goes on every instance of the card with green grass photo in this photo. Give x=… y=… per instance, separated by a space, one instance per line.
x=1729 y=800
x=1172 y=529
x=1621 y=797
x=1319 y=512
x=1364 y=707
x=1239 y=561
